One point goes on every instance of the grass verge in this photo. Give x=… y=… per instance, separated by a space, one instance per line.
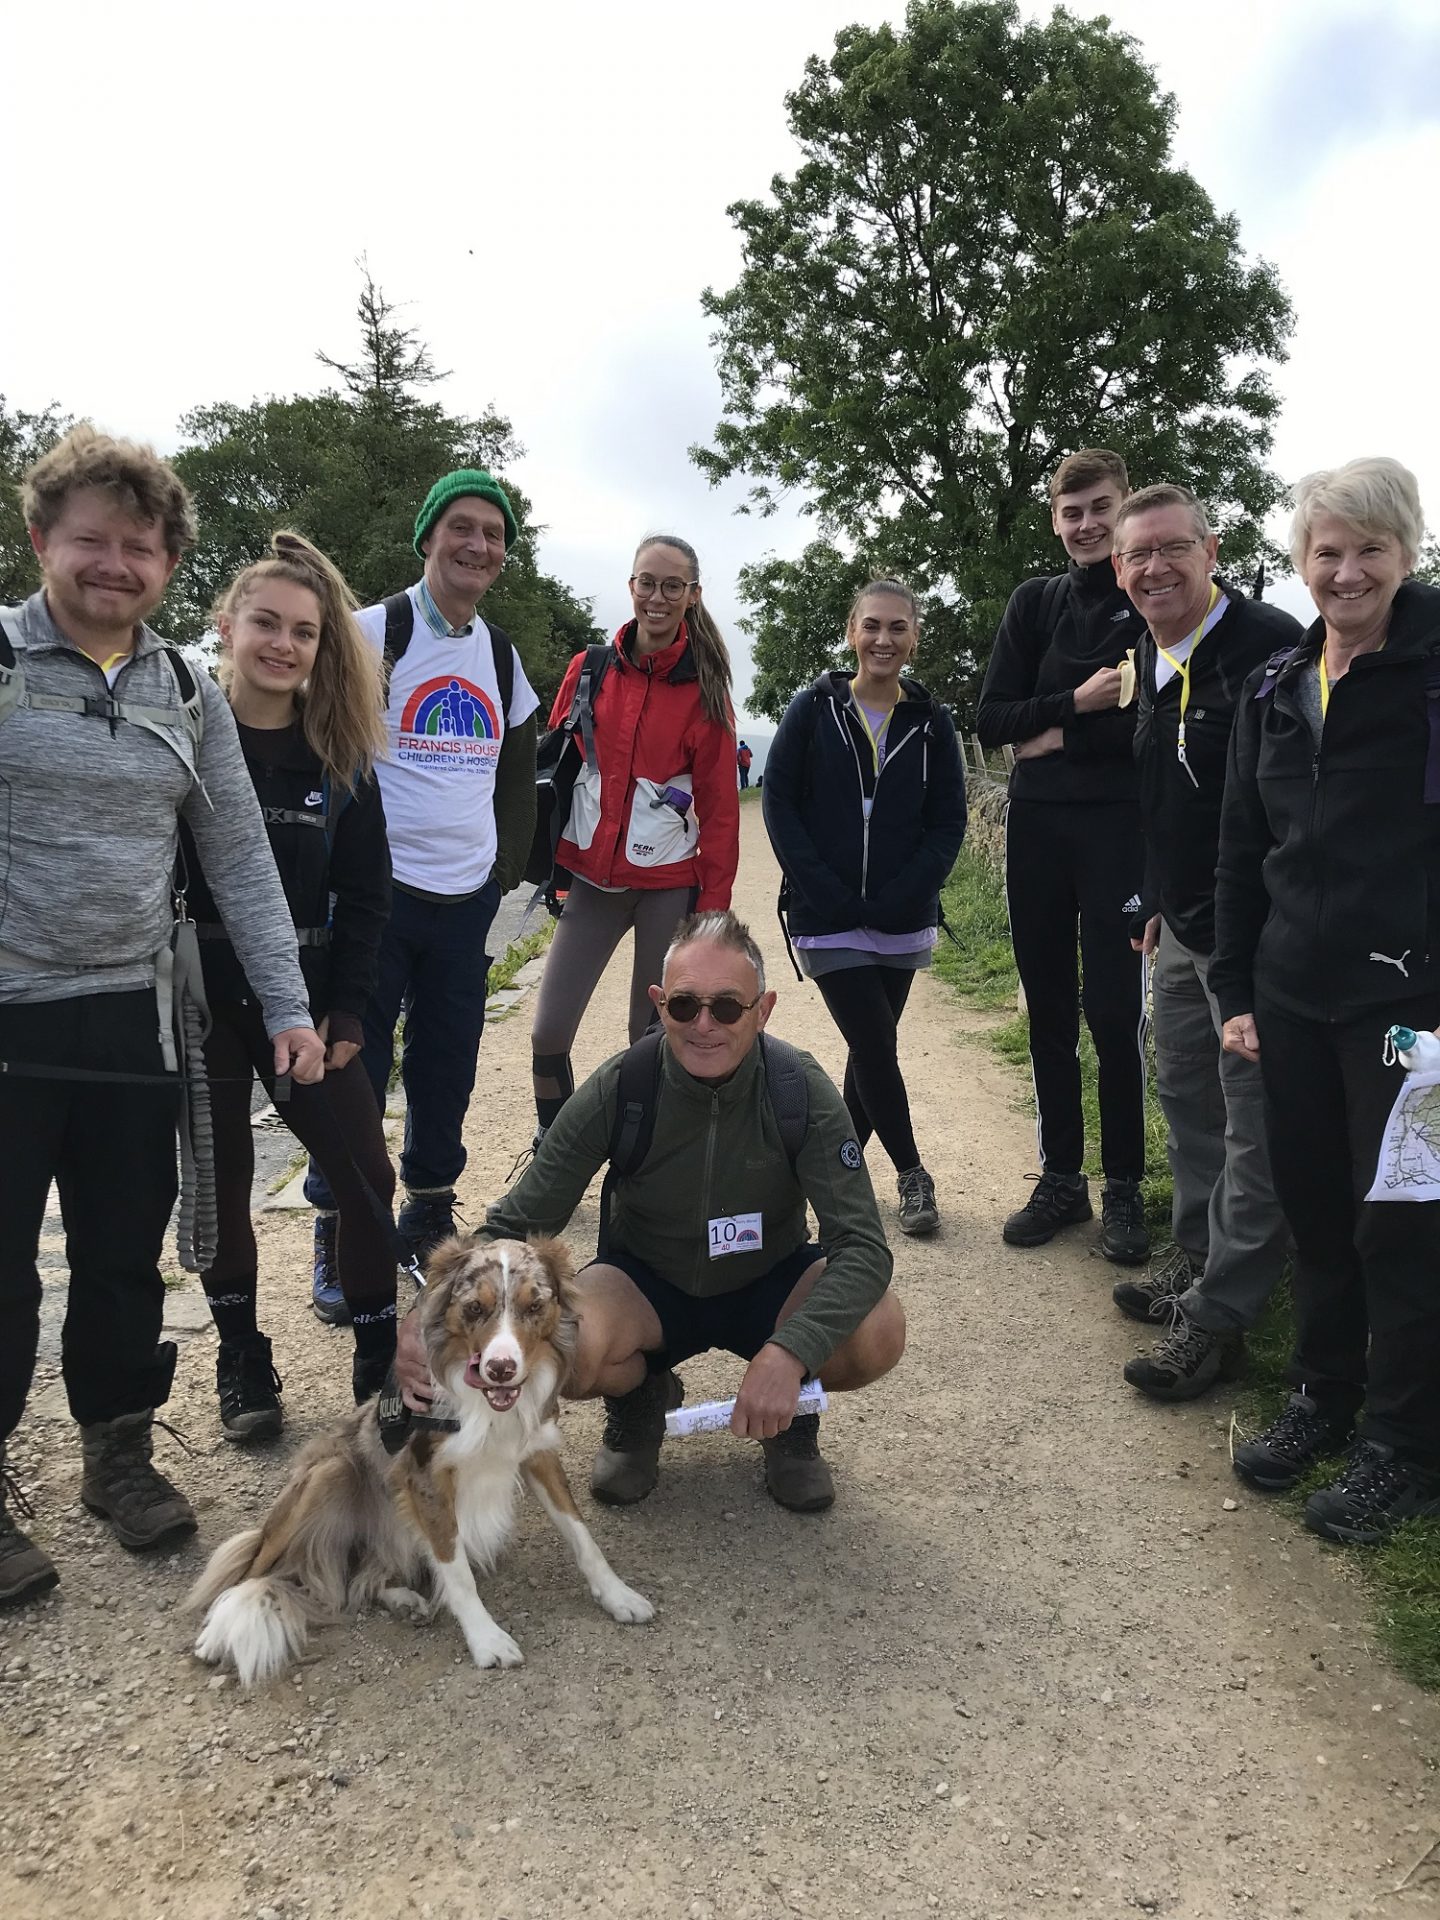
x=1404 y=1574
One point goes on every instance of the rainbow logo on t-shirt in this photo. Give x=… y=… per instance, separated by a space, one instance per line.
x=449 y=721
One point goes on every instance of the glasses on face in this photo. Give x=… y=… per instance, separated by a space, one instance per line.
x=1169 y=550
x=645 y=584
x=685 y=1007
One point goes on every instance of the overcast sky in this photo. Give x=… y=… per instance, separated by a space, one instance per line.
x=545 y=184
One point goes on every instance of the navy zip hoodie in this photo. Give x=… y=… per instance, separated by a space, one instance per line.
x=842 y=871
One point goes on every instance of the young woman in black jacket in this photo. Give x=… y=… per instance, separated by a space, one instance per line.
x=864 y=802
x=305 y=691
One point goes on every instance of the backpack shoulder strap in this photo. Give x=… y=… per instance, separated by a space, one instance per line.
x=788 y=1092
x=192 y=702
x=1057 y=589
x=12 y=674
x=637 y=1095
x=399 y=625
x=1274 y=667
x=502 y=649
x=587 y=687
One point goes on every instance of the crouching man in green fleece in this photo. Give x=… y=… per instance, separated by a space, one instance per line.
x=707 y=1242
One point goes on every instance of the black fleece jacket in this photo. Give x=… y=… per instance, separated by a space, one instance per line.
x=350 y=863
x=843 y=871
x=1052 y=638
x=1180 y=816
x=1327 y=898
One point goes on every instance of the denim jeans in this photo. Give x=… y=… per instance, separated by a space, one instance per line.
x=433 y=964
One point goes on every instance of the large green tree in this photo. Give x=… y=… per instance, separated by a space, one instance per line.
x=349 y=469
x=24 y=437
x=986 y=260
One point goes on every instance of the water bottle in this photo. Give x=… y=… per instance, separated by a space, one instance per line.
x=713 y=1415
x=1416 y=1052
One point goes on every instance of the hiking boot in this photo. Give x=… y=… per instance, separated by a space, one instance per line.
x=1376 y=1493
x=795 y=1472
x=1124 y=1236
x=425 y=1220
x=1058 y=1201
x=918 y=1211
x=1187 y=1362
x=249 y=1389
x=628 y=1464
x=26 y=1571
x=120 y=1484
x=1303 y=1435
x=1152 y=1297
x=325 y=1295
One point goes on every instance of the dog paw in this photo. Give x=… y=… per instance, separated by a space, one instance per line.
x=624 y=1604
x=405 y=1604
x=495 y=1649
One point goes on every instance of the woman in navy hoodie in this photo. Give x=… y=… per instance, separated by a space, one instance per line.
x=864 y=802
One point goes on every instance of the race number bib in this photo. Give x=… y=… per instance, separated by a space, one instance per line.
x=736 y=1233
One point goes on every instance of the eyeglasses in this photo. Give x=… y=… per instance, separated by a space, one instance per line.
x=685 y=1007
x=645 y=584
x=1171 y=550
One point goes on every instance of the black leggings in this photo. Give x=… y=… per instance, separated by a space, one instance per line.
x=866 y=1003
x=337 y=1113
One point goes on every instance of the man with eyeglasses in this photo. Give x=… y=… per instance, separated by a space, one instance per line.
x=1203 y=640
x=707 y=1244
x=458 y=782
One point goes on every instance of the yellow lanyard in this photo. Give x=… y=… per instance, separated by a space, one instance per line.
x=871 y=734
x=1182 y=667
x=1325 y=680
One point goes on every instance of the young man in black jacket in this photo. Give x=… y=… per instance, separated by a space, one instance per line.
x=1074 y=859
x=1203 y=640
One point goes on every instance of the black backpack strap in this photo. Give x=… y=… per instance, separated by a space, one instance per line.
x=399 y=625
x=1057 y=588
x=1274 y=667
x=502 y=648
x=637 y=1095
x=597 y=662
x=788 y=1092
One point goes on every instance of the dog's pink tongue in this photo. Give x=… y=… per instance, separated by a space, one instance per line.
x=473 y=1376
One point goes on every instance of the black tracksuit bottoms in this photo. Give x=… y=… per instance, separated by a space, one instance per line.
x=1367 y=1277
x=1078 y=868
x=111 y=1151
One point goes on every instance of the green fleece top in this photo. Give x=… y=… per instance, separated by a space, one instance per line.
x=717 y=1152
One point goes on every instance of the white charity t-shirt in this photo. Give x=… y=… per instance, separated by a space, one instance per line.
x=445 y=727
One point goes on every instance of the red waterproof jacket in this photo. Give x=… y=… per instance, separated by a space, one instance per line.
x=651 y=733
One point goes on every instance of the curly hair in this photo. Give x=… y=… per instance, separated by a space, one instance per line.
x=135 y=477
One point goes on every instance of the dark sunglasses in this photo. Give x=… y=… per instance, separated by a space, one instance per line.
x=685 y=1007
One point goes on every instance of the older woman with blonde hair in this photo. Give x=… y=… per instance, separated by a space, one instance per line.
x=1328 y=933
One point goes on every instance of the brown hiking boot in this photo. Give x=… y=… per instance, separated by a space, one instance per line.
x=795 y=1473
x=628 y=1464
x=120 y=1484
x=26 y=1571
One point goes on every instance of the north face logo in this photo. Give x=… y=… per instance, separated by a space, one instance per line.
x=1125 y=613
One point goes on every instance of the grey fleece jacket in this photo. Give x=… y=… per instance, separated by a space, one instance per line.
x=89 y=820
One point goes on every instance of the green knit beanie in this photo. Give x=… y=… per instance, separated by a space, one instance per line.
x=455 y=486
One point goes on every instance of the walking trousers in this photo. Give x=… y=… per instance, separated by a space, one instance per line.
x=111 y=1150
x=1078 y=870
x=1225 y=1214
x=1367 y=1276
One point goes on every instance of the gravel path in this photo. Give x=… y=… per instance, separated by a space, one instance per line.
x=1045 y=1655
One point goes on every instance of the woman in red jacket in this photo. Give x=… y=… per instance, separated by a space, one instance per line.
x=654 y=827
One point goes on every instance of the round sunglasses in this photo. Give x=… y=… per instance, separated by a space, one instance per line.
x=725 y=1007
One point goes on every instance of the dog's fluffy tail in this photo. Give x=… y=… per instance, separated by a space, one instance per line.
x=256 y=1625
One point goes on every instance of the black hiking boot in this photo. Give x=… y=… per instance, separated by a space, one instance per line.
x=249 y=1390
x=368 y=1374
x=425 y=1220
x=628 y=1464
x=1303 y=1435
x=1124 y=1236
x=120 y=1484
x=26 y=1571
x=1187 y=1362
x=1376 y=1493
x=918 y=1211
x=795 y=1472
x=1059 y=1200
x=1151 y=1298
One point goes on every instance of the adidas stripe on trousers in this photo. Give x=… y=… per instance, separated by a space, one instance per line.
x=1073 y=875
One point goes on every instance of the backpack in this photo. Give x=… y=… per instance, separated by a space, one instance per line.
x=745 y=757
x=558 y=761
x=156 y=720
x=400 y=626
x=637 y=1097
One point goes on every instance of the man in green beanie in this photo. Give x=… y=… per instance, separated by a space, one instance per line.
x=458 y=781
